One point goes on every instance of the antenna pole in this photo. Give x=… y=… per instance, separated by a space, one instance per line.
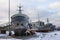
x=47 y=20
x=38 y=17
x=20 y=8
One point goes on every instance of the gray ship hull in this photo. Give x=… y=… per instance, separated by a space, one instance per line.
x=20 y=32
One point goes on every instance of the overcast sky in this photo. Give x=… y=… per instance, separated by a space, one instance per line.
x=46 y=9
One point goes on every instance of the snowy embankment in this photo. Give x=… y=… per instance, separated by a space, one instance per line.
x=47 y=36
x=6 y=37
x=39 y=36
x=52 y=36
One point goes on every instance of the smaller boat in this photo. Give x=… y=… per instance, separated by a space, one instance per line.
x=41 y=27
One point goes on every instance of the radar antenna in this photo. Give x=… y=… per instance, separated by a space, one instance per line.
x=20 y=8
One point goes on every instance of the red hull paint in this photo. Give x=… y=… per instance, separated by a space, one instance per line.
x=41 y=30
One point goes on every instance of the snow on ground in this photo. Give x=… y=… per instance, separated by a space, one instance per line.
x=52 y=36
x=39 y=36
x=48 y=36
x=10 y=39
x=6 y=37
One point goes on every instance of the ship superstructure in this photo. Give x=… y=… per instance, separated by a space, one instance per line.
x=40 y=26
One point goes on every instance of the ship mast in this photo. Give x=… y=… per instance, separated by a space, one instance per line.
x=20 y=9
x=38 y=20
x=47 y=21
x=38 y=17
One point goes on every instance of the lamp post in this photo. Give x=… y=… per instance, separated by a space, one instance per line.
x=9 y=18
x=9 y=12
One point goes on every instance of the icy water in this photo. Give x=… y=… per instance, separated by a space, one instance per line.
x=38 y=36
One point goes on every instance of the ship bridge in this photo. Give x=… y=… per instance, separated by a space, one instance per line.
x=19 y=20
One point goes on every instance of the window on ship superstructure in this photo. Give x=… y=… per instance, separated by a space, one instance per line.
x=19 y=18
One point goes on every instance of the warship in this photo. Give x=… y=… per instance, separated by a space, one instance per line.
x=20 y=24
